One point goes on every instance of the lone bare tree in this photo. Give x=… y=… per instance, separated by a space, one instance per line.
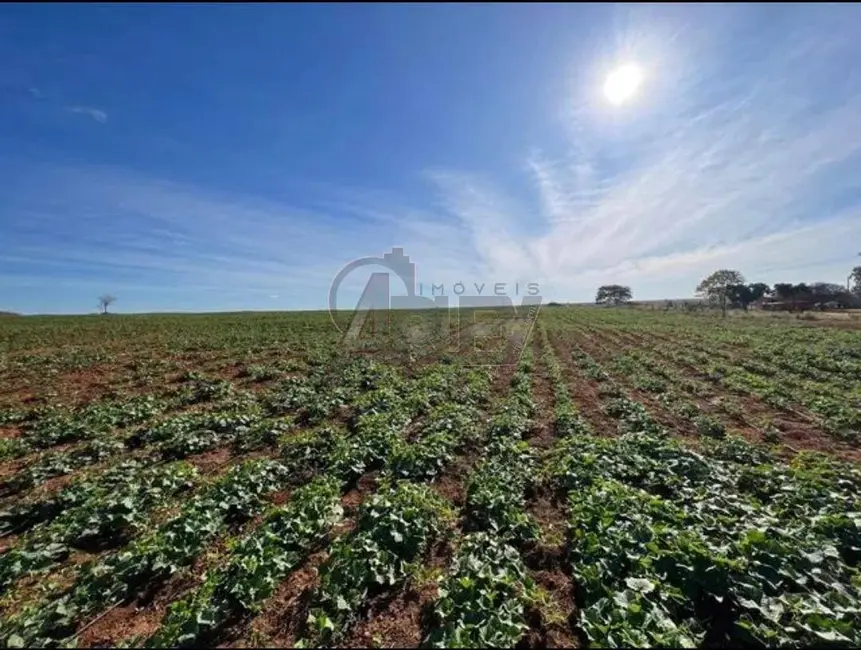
x=105 y=301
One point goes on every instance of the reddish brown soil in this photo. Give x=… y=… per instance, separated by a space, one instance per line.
x=556 y=629
x=354 y=497
x=88 y=384
x=8 y=432
x=12 y=467
x=284 y=615
x=542 y=434
x=8 y=541
x=583 y=391
x=674 y=424
x=282 y=620
x=119 y=623
x=797 y=432
x=450 y=484
x=15 y=392
x=551 y=625
x=210 y=461
x=281 y=497
x=144 y=615
x=554 y=624
x=398 y=619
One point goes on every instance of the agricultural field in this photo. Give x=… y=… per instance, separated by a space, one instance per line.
x=615 y=478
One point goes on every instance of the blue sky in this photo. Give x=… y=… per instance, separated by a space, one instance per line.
x=238 y=156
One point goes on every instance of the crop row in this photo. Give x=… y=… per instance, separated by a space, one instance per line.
x=256 y=565
x=47 y=427
x=248 y=428
x=314 y=397
x=394 y=530
x=796 y=351
x=380 y=416
x=376 y=439
x=26 y=514
x=106 y=517
x=782 y=371
x=165 y=550
x=485 y=592
x=703 y=548
x=778 y=381
x=567 y=419
x=397 y=525
x=835 y=406
x=233 y=498
x=180 y=436
x=669 y=547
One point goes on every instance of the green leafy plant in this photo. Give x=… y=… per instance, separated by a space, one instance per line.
x=483 y=598
x=256 y=565
x=395 y=528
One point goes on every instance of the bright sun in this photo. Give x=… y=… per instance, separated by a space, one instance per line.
x=623 y=83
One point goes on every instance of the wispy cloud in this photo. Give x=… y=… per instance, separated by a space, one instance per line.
x=743 y=151
x=127 y=227
x=763 y=178
x=98 y=115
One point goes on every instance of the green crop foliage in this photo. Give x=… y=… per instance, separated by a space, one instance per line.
x=638 y=479
x=395 y=529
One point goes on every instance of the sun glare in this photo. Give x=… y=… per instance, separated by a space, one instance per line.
x=622 y=83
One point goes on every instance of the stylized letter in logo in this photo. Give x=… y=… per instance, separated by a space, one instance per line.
x=495 y=315
x=376 y=297
x=491 y=315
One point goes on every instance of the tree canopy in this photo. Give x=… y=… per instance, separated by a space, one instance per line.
x=805 y=295
x=742 y=295
x=855 y=277
x=106 y=301
x=727 y=288
x=613 y=294
x=716 y=287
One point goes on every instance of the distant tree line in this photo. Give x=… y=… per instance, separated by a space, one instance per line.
x=728 y=289
x=819 y=293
